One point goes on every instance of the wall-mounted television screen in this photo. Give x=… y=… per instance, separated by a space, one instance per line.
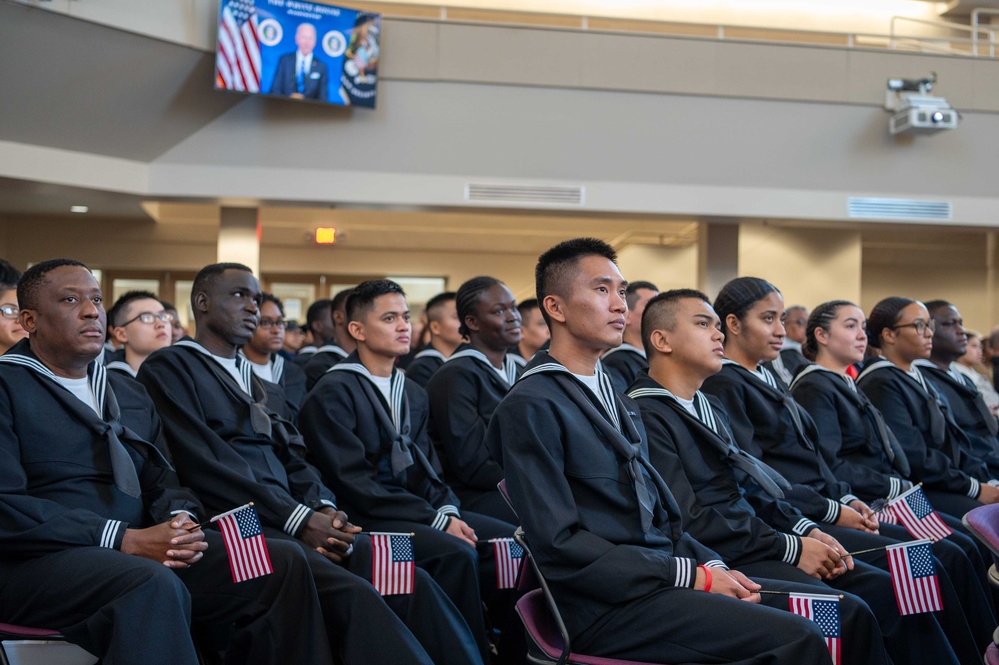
x=298 y=50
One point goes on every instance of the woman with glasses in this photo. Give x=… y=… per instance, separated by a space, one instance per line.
x=11 y=331
x=139 y=323
x=903 y=330
x=268 y=364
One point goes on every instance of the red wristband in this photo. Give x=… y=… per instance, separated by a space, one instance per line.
x=707 y=577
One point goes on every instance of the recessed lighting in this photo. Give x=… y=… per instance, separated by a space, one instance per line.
x=80 y=209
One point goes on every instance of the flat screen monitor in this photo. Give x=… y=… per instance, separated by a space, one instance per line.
x=298 y=50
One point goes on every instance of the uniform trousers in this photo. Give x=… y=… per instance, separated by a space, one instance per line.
x=129 y=610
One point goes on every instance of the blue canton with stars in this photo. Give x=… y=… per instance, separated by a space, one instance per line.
x=402 y=549
x=921 y=561
x=516 y=551
x=919 y=505
x=249 y=524
x=241 y=9
x=826 y=615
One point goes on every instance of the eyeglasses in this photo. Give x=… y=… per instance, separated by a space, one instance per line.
x=919 y=326
x=9 y=312
x=149 y=317
x=270 y=323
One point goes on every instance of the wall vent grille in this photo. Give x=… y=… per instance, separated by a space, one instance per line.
x=528 y=194
x=874 y=208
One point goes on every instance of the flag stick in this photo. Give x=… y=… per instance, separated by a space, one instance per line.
x=788 y=593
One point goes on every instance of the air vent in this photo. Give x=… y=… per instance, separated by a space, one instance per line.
x=525 y=194
x=870 y=208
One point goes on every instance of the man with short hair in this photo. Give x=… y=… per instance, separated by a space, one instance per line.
x=600 y=520
x=734 y=503
x=231 y=447
x=445 y=337
x=97 y=539
x=335 y=348
x=365 y=425
x=791 y=359
x=141 y=325
x=965 y=404
x=319 y=326
x=534 y=332
x=623 y=363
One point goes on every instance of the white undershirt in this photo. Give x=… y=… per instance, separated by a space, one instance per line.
x=230 y=366
x=80 y=388
x=688 y=404
x=590 y=381
x=501 y=371
x=265 y=371
x=384 y=384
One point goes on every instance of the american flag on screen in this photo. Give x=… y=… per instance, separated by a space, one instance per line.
x=393 y=566
x=237 y=65
x=509 y=556
x=824 y=611
x=914 y=576
x=244 y=543
x=914 y=512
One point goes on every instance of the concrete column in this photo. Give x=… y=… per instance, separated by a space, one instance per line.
x=239 y=237
x=718 y=255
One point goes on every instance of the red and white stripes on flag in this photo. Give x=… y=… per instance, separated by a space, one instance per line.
x=914 y=576
x=824 y=611
x=244 y=543
x=393 y=566
x=237 y=64
x=914 y=512
x=509 y=555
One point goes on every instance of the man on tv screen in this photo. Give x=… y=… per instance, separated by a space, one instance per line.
x=300 y=74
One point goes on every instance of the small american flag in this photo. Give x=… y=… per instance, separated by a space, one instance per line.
x=237 y=65
x=914 y=576
x=509 y=555
x=244 y=543
x=914 y=512
x=824 y=611
x=393 y=564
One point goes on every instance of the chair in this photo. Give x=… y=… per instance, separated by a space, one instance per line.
x=21 y=645
x=983 y=523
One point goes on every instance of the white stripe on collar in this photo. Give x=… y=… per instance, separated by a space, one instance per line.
x=761 y=373
x=605 y=395
x=808 y=369
x=332 y=348
x=781 y=369
x=430 y=353
x=702 y=406
x=98 y=378
x=397 y=387
x=122 y=366
x=242 y=364
x=873 y=367
x=509 y=364
x=625 y=347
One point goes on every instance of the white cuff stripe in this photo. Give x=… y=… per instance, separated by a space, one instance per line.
x=993 y=482
x=296 y=518
x=976 y=488
x=847 y=498
x=448 y=509
x=440 y=522
x=326 y=502
x=791 y=547
x=803 y=526
x=109 y=533
x=684 y=573
x=894 y=487
x=832 y=512
x=716 y=563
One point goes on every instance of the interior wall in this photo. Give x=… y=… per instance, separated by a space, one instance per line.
x=930 y=266
x=809 y=266
x=666 y=267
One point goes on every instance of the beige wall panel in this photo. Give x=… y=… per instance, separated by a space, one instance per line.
x=649 y=63
x=508 y=55
x=809 y=266
x=869 y=72
x=666 y=267
x=814 y=74
x=964 y=286
x=985 y=85
x=410 y=50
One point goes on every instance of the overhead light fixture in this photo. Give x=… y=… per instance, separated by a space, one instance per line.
x=79 y=209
